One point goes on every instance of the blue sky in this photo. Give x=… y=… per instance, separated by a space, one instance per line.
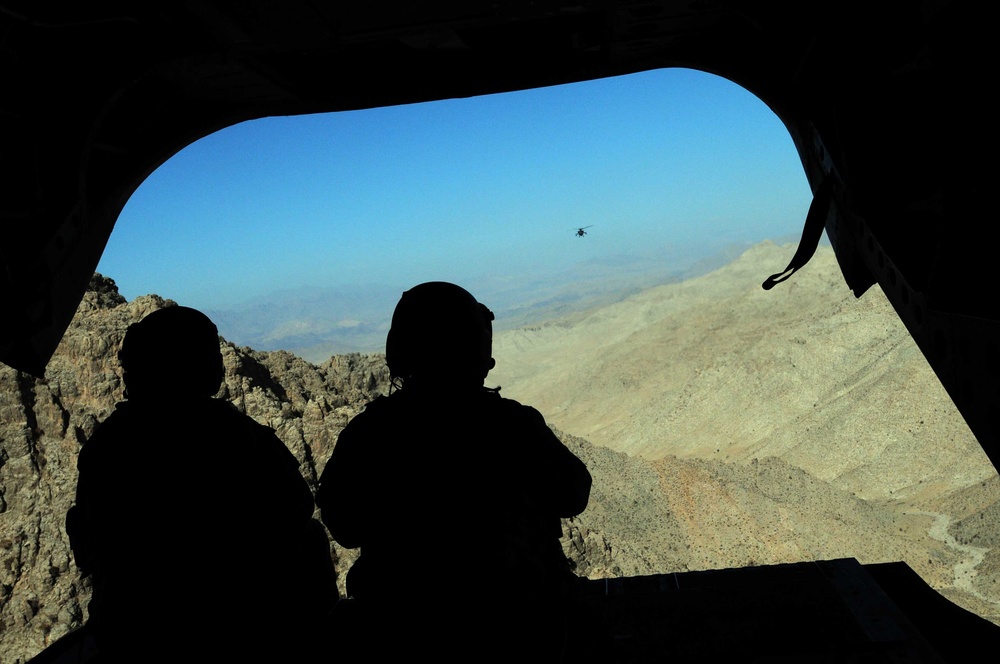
x=458 y=189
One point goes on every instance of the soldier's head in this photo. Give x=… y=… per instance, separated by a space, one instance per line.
x=172 y=352
x=440 y=334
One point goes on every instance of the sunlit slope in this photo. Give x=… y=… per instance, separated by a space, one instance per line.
x=718 y=368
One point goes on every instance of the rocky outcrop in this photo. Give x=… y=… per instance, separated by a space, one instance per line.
x=44 y=422
x=42 y=425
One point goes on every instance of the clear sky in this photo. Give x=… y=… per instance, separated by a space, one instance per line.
x=461 y=188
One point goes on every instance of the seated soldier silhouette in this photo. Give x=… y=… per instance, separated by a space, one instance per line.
x=192 y=518
x=454 y=495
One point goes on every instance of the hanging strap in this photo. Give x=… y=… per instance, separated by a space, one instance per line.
x=811 y=233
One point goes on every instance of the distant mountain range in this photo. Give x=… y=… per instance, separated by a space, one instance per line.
x=316 y=323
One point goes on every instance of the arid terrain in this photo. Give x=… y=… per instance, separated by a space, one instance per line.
x=724 y=426
x=793 y=424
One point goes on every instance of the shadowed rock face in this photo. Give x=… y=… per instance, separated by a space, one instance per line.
x=661 y=512
x=43 y=424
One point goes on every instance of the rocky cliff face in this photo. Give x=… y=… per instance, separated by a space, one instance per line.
x=44 y=423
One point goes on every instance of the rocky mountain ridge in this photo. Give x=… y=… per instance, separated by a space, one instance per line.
x=44 y=423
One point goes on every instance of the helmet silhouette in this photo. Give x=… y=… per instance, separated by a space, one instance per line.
x=440 y=332
x=173 y=351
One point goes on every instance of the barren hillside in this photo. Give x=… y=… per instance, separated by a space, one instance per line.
x=794 y=424
x=717 y=368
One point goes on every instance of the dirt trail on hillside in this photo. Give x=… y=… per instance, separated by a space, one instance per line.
x=971 y=556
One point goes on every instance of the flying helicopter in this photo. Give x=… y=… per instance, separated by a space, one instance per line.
x=581 y=231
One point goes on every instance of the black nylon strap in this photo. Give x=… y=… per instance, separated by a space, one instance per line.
x=811 y=233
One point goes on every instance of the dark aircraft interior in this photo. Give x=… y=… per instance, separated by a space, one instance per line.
x=886 y=104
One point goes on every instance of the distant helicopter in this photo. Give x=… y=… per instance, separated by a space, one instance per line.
x=580 y=232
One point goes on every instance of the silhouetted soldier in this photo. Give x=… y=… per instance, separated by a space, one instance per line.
x=454 y=495
x=193 y=519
